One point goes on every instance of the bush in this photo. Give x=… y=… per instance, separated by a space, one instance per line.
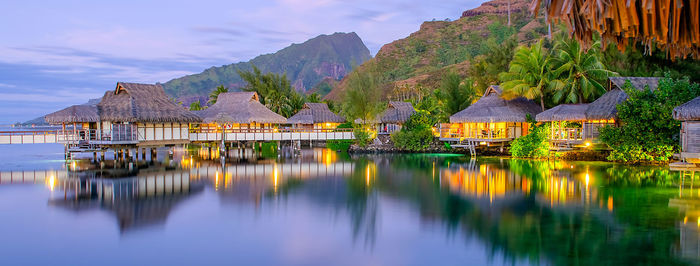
x=648 y=134
x=362 y=137
x=416 y=134
x=533 y=145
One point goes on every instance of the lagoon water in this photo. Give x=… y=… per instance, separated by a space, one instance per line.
x=328 y=208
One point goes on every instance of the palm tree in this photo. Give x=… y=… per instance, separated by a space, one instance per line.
x=313 y=98
x=457 y=95
x=529 y=74
x=214 y=95
x=195 y=106
x=580 y=71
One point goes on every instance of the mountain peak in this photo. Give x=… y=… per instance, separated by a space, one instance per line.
x=306 y=64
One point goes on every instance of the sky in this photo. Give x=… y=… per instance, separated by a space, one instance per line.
x=54 y=54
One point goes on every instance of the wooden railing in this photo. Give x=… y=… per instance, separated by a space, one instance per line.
x=270 y=130
x=568 y=134
x=458 y=133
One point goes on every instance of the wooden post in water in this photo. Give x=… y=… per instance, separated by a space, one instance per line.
x=102 y=155
x=143 y=154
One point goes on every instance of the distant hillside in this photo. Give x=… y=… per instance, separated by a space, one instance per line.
x=441 y=46
x=306 y=64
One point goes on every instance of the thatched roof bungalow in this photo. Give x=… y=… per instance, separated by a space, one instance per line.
x=142 y=103
x=74 y=114
x=493 y=118
x=395 y=115
x=566 y=123
x=605 y=107
x=564 y=112
x=689 y=114
x=316 y=115
x=239 y=108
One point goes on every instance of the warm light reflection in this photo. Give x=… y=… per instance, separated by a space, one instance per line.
x=610 y=203
x=216 y=181
x=51 y=182
x=275 y=177
x=367 y=175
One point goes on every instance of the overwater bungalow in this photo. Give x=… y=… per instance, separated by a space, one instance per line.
x=142 y=114
x=315 y=116
x=689 y=115
x=492 y=119
x=83 y=118
x=395 y=115
x=566 y=123
x=603 y=111
x=239 y=111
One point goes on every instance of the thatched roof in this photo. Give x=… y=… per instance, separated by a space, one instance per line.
x=133 y=102
x=239 y=108
x=673 y=26
x=74 y=114
x=688 y=111
x=605 y=107
x=564 y=112
x=636 y=82
x=491 y=108
x=396 y=112
x=313 y=113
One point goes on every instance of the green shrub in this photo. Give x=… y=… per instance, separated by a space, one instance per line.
x=648 y=134
x=362 y=137
x=267 y=149
x=416 y=134
x=533 y=145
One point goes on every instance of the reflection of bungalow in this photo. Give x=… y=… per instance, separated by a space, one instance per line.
x=491 y=119
x=689 y=114
x=395 y=115
x=239 y=110
x=315 y=116
x=143 y=114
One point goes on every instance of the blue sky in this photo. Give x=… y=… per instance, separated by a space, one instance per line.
x=58 y=53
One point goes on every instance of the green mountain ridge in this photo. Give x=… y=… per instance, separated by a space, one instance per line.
x=305 y=64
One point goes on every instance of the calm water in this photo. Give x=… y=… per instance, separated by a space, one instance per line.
x=327 y=208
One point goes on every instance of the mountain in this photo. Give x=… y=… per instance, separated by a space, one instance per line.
x=306 y=64
x=422 y=58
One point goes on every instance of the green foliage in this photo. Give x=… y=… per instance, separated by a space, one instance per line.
x=581 y=72
x=533 y=145
x=275 y=91
x=529 y=74
x=648 y=133
x=267 y=149
x=195 y=106
x=416 y=134
x=362 y=137
x=496 y=57
x=214 y=95
x=457 y=94
x=633 y=63
x=313 y=98
x=362 y=97
x=339 y=144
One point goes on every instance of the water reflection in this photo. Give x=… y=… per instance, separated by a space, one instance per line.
x=518 y=211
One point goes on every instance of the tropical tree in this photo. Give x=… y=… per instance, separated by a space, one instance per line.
x=313 y=98
x=275 y=91
x=580 y=71
x=214 y=95
x=362 y=97
x=485 y=68
x=195 y=106
x=457 y=94
x=529 y=74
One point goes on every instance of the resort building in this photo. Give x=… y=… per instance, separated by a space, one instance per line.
x=566 y=124
x=395 y=115
x=142 y=114
x=82 y=118
x=579 y=124
x=492 y=119
x=315 y=116
x=238 y=111
x=603 y=111
x=689 y=115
